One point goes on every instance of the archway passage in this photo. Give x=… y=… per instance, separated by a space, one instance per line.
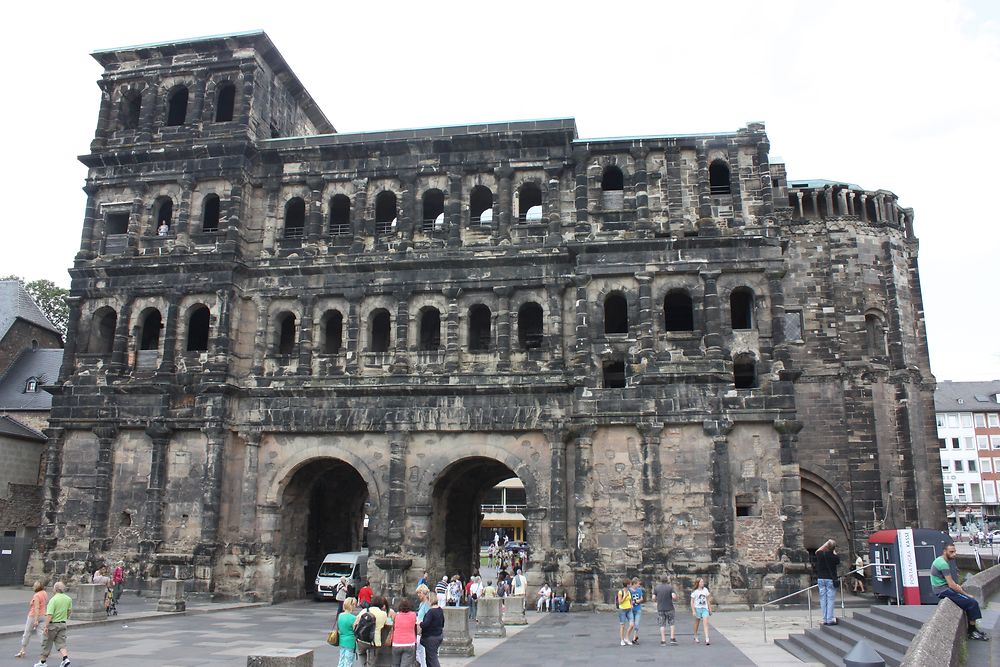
x=323 y=511
x=457 y=513
x=824 y=516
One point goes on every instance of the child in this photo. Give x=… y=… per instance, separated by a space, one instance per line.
x=623 y=600
x=701 y=608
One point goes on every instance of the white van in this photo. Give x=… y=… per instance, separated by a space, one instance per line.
x=350 y=564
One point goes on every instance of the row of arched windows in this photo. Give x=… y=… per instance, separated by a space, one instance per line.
x=678 y=311
x=163 y=216
x=105 y=321
x=177 y=106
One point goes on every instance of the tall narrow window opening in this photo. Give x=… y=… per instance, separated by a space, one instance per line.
x=718 y=177
x=529 y=203
x=102 y=331
x=612 y=189
x=340 y=215
x=678 y=311
x=163 y=214
x=615 y=314
x=210 y=214
x=481 y=205
x=380 y=331
x=149 y=335
x=614 y=374
x=295 y=218
x=198 y=323
x=741 y=308
x=433 y=211
x=333 y=332
x=480 y=323
x=875 y=335
x=225 y=102
x=177 y=107
x=286 y=333
x=131 y=110
x=385 y=213
x=745 y=371
x=430 y=329
x=529 y=325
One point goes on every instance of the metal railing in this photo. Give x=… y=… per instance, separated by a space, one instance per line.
x=808 y=592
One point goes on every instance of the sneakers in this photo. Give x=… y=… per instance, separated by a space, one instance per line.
x=628 y=642
x=696 y=639
x=635 y=640
x=40 y=664
x=673 y=642
x=979 y=636
x=708 y=643
x=623 y=644
x=663 y=642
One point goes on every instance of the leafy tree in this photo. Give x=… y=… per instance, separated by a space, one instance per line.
x=50 y=298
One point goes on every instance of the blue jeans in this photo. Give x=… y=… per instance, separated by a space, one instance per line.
x=968 y=604
x=827 y=598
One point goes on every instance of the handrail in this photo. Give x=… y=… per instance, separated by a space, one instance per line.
x=807 y=591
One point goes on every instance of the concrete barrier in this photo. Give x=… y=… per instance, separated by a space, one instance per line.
x=282 y=657
x=513 y=610
x=88 y=602
x=488 y=621
x=457 y=640
x=171 y=596
x=941 y=639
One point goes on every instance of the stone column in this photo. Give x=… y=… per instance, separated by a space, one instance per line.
x=652 y=498
x=170 y=335
x=399 y=441
x=451 y=338
x=764 y=169
x=581 y=194
x=90 y=240
x=455 y=210
x=105 y=122
x=779 y=351
x=68 y=367
x=644 y=329
x=706 y=223
x=183 y=226
x=220 y=344
x=640 y=181
x=147 y=113
x=306 y=336
x=814 y=199
x=488 y=621
x=353 y=329
x=557 y=488
x=712 y=307
x=408 y=206
x=401 y=360
x=101 y=508
x=215 y=437
x=791 y=488
x=723 y=510
x=160 y=434
x=828 y=197
x=260 y=343
x=119 y=351
x=863 y=213
x=314 y=211
x=504 y=203
x=583 y=496
x=503 y=327
x=359 y=213
x=582 y=357
x=553 y=236
x=457 y=640
x=554 y=293
x=197 y=98
x=50 y=490
x=799 y=209
x=842 y=201
x=851 y=209
x=248 y=496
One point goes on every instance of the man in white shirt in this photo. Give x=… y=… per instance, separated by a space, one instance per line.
x=544 y=598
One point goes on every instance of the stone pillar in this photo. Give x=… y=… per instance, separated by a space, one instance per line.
x=488 y=621
x=842 y=201
x=88 y=603
x=171 y=596
x=863 y=213
x=282 y=657
x=640 y=182
x=798 y=205
x=712 y=307
x=814 y=199
x=504 y=203
x=170 y=335
x=457 y=640
x=451 y=334
x=68 y=367
x=644 y=330
x=581 y=194
x=583 y=497
x=183 y=226
x=53 y=473
x=160 y=434
x=557 y=488
x=147 y=113
x=248 y=496
x=260 y=343
x=706 y=224
x=504 y=342
x=791 y=488
x=779 y=350
x=513 y=610
x=197 y=98
x=764 y=169
x=306 y=336
x=101 y=508
x=554 y=292
x=553 y=236
x=408 y=206
x=652 y=498
x=119 y=351
x=90 y=239
x=220 y=344
x=582 y=357
x=105 y=124
x=455 y=210
x=215 y=437
x=828 y=197
x=359 y=213
x=401 y=360
x=723 y=510
x=851 y=209
x=399 y=441
x=353 y=329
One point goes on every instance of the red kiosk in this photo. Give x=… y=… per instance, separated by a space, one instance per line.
x=911 y=551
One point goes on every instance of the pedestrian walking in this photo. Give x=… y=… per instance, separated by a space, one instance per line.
x=404 y=635
x=701 y=608
x=365 y=595
x=57 y=613
x=341 y=594
x=664 y=597
x=454 y=593
x=638 y=597
x=520 y=583
x=117 y=581
x=368 y=630
x=944 y=583
x=424 y=596
x=345 y=628
x=623 y=600
x=827 y=562
x=432 y=633
x=36 y=614
x=859 y=575
x=441 y=590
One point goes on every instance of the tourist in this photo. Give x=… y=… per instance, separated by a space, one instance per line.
x=424 y=595
x=664 y=597
x=36 y=612
x=827 y=562
x=473 y=591
x=701 y=608
x=422 y=581
x=432 y=633
x=944 y=583
x=859 y=575
x=365 y=595
x=489 y=591
x=341 y=594
x=163 y=229
x=368 y=630
x=345 y=627
x=638 y=597
x=117 y=581
x=441 y=590
x=520 y=583
x=404 y=635
x=623 y=600
x=57 y=612
x=544 y=598
x=455 y=591
x=101 y=577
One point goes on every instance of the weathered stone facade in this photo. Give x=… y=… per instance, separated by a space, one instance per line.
x=661 y=337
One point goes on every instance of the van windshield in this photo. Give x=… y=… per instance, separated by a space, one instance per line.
x=335 y=569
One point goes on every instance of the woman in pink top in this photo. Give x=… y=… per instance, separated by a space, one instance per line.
x=36 y=612
x=404 y=636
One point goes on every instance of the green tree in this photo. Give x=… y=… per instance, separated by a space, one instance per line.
x=50 y=298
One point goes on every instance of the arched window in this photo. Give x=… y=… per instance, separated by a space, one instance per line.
x=480 y=323
x=529 y=203
x=875 y=335
x=149 y=332
x=385 y=213
x=224 y=103
x=433 y=211
x=340 y=215
x=380 y=331
x=430 y=329
x=678 y=311
x=615 y=314
x=163 y=214
x=529 y=325
x=612 y=189
x=741 y=308
x=614 y=374
x=744 y=371
x=295 y=218
x=871 y=209
x=177 y=106
x=197 y=331
x=718 y=177
x=102 y=331
x=333 y=332
x=210 y=213
x=481 y=205
x=131 y=110
x=286 y=337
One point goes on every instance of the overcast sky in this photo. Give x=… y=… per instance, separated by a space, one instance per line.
x=903 y=96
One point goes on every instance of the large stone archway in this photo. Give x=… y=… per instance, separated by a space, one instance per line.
x=824 y=514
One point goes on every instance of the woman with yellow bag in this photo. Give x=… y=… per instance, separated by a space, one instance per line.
x=343 y=634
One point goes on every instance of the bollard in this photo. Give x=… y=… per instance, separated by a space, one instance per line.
x=513 y=610
x=88 y=603
x=863 y=655
x=457 y=640
x=282 y=657
x=171 y=596
x=489 y=622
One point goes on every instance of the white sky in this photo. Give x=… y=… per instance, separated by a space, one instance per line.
x=897 y=95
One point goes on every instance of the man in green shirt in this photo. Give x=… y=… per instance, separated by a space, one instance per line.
x=944 y=583
x=56 y=614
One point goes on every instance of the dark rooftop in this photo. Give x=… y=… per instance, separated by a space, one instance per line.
x=41 y=364
x=967 y=396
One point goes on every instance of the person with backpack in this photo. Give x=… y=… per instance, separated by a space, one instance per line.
x=368 y=631
x=623 y=600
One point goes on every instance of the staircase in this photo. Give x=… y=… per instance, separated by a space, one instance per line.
x=888 y=629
